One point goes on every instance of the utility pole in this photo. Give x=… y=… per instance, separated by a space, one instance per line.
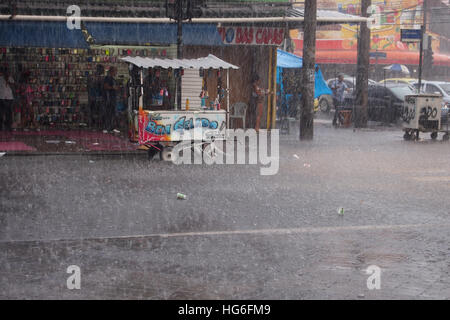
x=427 y=57
x=308 y=71
x=424 y=30
x=362 y=70
x=179 y=13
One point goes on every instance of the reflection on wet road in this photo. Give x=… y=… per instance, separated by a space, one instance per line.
x=238 y=235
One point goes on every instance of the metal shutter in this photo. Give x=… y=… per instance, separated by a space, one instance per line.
x=191 y=88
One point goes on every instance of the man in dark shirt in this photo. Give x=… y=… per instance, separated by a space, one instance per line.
x=6 y=99
x=109 y=89
x=95 y=91
x=339 y=87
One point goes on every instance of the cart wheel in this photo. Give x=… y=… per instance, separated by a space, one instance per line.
x=445 y=137
x=153 y=150
x=210 y=152
x=407 y=136
x=166 y=154
x=151 y=153
x=434 y=135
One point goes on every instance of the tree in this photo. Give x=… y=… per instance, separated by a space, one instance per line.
x=308 y=71
x=428 y=59
x=362 y=70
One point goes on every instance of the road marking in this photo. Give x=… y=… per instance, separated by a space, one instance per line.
x=432 y=179
x=278 y=231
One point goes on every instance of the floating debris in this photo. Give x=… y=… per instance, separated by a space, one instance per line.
x=181 y=196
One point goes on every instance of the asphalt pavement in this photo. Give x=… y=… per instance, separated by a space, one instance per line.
x=238 y=234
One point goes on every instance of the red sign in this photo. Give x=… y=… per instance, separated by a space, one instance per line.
x=252 y=35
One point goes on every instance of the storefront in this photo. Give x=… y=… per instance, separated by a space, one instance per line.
x=253 y=49
x=52 y=64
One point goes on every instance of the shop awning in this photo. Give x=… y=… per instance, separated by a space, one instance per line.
x=288 y=60
x=40 y=34
x=401 y=57
x=210 y=61
x=291 y=61
x=152 y=33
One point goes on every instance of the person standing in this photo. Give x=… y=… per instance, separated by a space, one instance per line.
x=95 y=91
x=110 y=89
x=6 y=99
x=258 y=95
x=339 y=87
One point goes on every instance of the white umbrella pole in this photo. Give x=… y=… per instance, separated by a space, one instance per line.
x=141 y=98
x=228 y=98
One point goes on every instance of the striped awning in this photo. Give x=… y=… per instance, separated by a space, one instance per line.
x=210 y=61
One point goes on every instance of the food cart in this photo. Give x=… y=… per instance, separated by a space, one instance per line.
x=160 y=124
x=422 y=113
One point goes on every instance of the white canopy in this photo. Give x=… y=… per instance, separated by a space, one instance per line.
x=210 y=61
x=397 y=67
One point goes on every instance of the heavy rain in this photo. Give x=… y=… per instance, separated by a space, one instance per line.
x=222 y=150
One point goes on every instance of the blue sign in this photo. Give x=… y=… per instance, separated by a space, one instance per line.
x=378 y=54
x=411 y=35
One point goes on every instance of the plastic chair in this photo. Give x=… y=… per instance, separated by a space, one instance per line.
x=346 y=117
x=238 y=111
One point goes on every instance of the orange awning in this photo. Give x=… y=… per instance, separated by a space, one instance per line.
x=349 y=57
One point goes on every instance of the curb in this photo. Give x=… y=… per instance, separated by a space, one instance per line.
x=88 y=153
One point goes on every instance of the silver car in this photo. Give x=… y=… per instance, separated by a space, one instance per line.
x=438 y=87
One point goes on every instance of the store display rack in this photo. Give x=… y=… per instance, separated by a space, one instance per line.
x=58 y=79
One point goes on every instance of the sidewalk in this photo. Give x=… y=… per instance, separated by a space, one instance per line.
x=88 y=141
x=81 y=141
x=326 y=121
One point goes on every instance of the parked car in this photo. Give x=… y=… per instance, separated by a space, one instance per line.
x=290 y=106
x=385 y=102
x=409 y=81
x=438 y=87
x=325 y=102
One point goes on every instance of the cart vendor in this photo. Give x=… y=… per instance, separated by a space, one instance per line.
x=339 y=87
x=258 y=95
x=110 y=97
x=156 y=93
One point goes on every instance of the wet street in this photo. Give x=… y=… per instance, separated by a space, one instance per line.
x=238 y=235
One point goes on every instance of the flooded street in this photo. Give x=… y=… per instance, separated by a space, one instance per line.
x=348 y=200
